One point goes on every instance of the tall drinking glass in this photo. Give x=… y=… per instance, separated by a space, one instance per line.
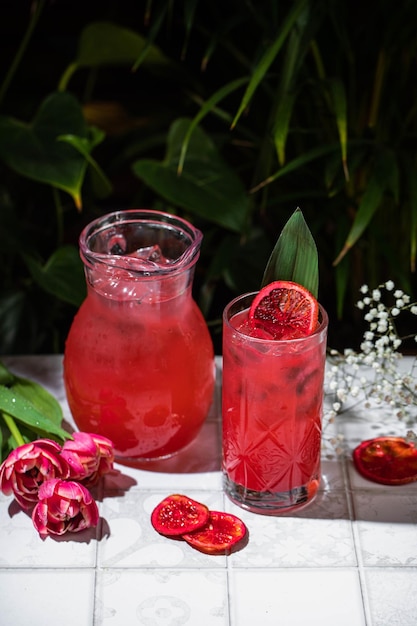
x=272 y=414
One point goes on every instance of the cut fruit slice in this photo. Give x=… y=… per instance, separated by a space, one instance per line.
x=223 y=534
x=178 y=514
x=284 y=310
x=387 y=460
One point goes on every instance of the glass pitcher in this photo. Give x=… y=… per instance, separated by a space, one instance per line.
x=139 y=362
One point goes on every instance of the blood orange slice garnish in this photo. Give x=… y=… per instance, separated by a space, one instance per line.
x=284 y=310
x=178 y=514
x=387 y=460
x=223 y=534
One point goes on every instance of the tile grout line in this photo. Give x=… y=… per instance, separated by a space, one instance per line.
x=228 y=577
x=356 y=543
x=218 y=396
x=99 y=537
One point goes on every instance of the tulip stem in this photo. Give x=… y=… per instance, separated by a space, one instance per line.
x=15 y=432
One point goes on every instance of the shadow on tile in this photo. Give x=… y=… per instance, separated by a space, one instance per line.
x=201 y=455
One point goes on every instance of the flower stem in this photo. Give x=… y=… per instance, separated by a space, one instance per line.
x=15 y=432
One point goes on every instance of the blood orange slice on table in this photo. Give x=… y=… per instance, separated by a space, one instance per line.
x=387 y=460
x=284 y=310
x=178 y=514
x=223 y=534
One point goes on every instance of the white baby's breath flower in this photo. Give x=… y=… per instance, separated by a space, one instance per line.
x=341 y=394
x=372 y=375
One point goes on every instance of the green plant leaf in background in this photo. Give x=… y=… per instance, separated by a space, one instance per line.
x=384 y=177
x=106 y=43
x=206 y=108
x=294 y=256
x=207 y=187
x=32 y=150
x=6 y=377
x=85 y=147
x=61 y=276
x=190 y=7
x=285 y=97
x=268 y=57
x=412 y=190
x=338 y=97
x=152 y=34
x=282 y=124
x=297 y=163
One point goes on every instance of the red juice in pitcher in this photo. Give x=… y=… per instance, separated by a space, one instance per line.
x=139 y=363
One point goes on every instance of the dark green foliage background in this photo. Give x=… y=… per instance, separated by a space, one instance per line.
x=230 y=114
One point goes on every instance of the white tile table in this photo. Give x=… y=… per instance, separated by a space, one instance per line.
x=348 y=559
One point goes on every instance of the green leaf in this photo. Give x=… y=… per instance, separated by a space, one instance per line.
x=85 y=147
x=207 y=187
x=205 y=110
x=12 y=307
x=42 y=400
x=6 y=377
x=268 y=58
x=152 y=34
x=384 y=177
x=282 y=124
x=368 y=205
x=106 y=43
x=294 y=256
x=32 y=150
x=61 y=276
x=412 y=192
x=338 y=94
x=297 y=163
x=25 y=410
x=190 y=7
x=286 y=93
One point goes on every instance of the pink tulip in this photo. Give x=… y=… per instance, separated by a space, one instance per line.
x=27 y=467
x=106 y=453
x=64 y=506
x=89 y=456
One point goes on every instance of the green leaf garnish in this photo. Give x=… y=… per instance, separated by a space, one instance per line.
x=294 y=256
